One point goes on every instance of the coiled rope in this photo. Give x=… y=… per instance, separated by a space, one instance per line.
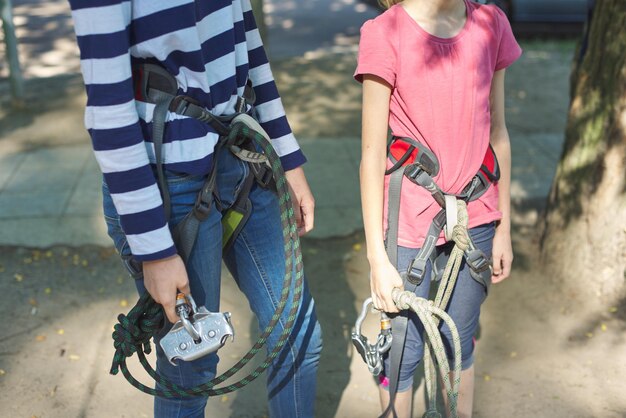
x=431 y=313
x=133 y=331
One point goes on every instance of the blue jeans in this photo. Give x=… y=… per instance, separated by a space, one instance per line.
x=257 y=262
x=463 y=308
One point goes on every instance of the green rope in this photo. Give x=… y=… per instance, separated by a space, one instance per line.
x=133 y=332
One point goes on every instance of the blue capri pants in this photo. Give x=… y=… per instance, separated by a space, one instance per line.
x=464 y=309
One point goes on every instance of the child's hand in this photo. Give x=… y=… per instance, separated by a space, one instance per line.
x=303 y=201
x=383 y=279
x=502 y=255
x=163 y=278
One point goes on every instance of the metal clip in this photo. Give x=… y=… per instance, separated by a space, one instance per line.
x=198 y=333
x=372 y=354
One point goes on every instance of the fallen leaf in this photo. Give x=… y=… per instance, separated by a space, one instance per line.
x=123 y=303
x=18 y=277
x=487 y=378
x=2 y=372
x=40 y=338
x=74 y=357
x=84 y=263
x=613 y=309
x=603 y=327
x=60 y=331
x=513 y=354
x=47 y=290
x=48 y=254
x=589 y=334
x=356 y=247
x=224 y=398
x=32 y=302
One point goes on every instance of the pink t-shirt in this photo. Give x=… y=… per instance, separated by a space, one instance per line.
x=440 y=97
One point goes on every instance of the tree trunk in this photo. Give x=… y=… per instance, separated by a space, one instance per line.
x=15 y=74
x=259 y=16
x=584 y=234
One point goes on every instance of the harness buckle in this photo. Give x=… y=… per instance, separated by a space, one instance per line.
x=197 y=333
x=263 y=174
x=180 y=104
x=477 y=261
x=415 y=272
x=480 y=267
x=413 y=171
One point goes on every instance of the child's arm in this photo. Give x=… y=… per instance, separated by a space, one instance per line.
x=499 y=138
x=271 y=116
x=384 y=277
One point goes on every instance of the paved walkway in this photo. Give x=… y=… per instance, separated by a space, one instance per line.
x=52 y=195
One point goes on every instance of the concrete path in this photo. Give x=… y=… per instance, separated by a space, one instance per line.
x=53 y=195
x=50 y=194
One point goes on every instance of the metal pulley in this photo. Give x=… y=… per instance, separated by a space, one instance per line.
x=197 y=333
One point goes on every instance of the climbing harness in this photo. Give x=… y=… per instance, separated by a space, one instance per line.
x=241 y=135
x=415 y=161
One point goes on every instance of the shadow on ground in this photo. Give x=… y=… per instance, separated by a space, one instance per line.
x=326 y=272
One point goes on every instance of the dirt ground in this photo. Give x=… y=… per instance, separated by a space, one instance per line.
x=536 y=355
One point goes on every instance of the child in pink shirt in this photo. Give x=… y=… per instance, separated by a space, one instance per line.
x=433 y=71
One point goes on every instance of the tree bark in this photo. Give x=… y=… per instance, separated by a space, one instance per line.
x=15 y=73
x=584 y=232
x=259 y=16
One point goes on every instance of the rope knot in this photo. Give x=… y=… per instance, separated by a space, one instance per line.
x=403 y=300
x=459 y=232
x=133 y=332
x=461 y=237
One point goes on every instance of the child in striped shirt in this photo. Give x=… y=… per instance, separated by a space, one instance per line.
x=212 y=49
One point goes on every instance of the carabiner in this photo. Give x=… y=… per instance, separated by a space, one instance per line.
x=372 y=354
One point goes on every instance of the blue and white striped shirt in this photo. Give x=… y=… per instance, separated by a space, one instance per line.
x=212 y=47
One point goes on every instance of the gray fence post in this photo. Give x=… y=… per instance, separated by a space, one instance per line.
x=15 y=73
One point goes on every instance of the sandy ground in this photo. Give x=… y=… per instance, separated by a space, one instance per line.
x=536 y=355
